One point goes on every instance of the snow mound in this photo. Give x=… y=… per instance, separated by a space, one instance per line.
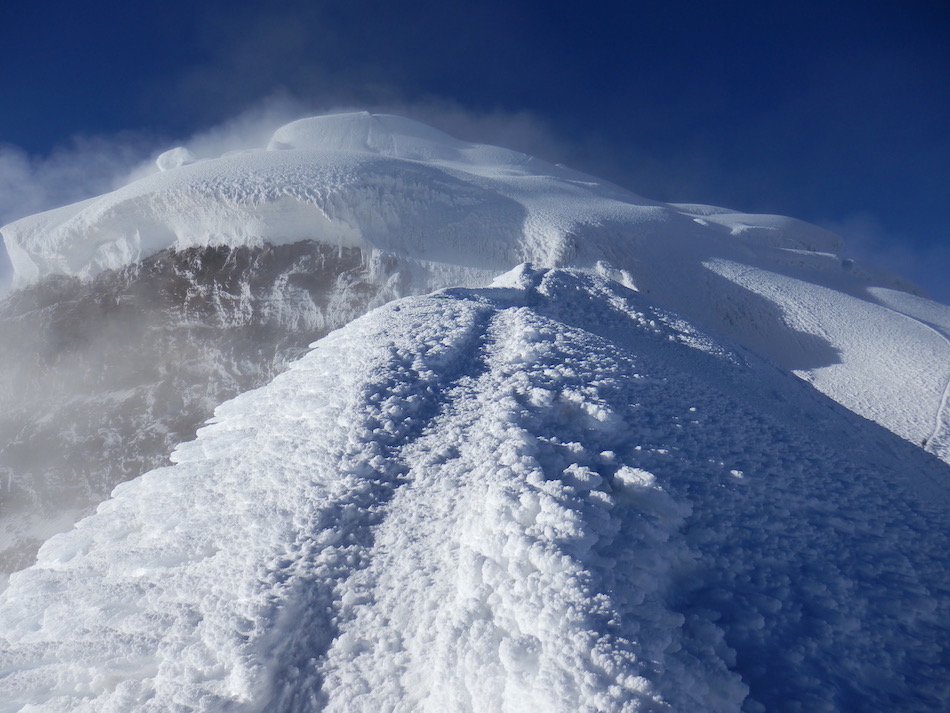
x=386 y=135
x=548 y=495
x=361 y=131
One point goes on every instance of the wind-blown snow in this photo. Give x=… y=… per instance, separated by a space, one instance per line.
x=439 y=212
x=547 y=495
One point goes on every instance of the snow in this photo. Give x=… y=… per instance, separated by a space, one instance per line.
x=905 y=359
x=441 y=212
x=377 y=182
x=175 y=158
x=579 y=476
x=549 y=494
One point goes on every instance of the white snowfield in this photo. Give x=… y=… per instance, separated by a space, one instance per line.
x=545 y=496
x=591 y=485
x=430 y=211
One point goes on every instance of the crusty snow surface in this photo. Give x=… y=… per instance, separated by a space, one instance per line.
x=546 y=495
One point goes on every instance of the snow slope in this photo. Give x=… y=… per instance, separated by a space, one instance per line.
x=547 y=495
x=429 y=211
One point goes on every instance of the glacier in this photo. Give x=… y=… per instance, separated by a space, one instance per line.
x=428 y=211
x=582 y=451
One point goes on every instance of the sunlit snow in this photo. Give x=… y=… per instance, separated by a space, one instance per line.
x=452 y=213
x=626 y=456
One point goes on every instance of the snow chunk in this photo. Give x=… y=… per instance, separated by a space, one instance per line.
x=175 y=158
x=522 y=277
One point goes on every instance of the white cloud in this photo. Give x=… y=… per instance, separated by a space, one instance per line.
x=867 y=239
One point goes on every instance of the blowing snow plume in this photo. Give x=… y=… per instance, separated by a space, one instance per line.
x=138 y=312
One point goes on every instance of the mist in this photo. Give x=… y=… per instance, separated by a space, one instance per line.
x=87 y=166
x=868 y=240
x=83 y=167
x=100 y=379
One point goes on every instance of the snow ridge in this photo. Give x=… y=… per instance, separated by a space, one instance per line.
x=546 y=495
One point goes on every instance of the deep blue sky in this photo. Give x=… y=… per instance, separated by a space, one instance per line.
x=834 y=112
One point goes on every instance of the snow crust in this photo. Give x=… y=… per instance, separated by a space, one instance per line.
x=546 y=495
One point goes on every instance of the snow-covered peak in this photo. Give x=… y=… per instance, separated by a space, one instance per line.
x=386 y=184
x=571 y=485
x=376 y=182
x=428 y=211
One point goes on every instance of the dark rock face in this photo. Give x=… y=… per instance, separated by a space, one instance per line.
x=100 y=379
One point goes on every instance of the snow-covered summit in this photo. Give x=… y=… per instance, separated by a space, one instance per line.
x=372 y=181
x=427 y=211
